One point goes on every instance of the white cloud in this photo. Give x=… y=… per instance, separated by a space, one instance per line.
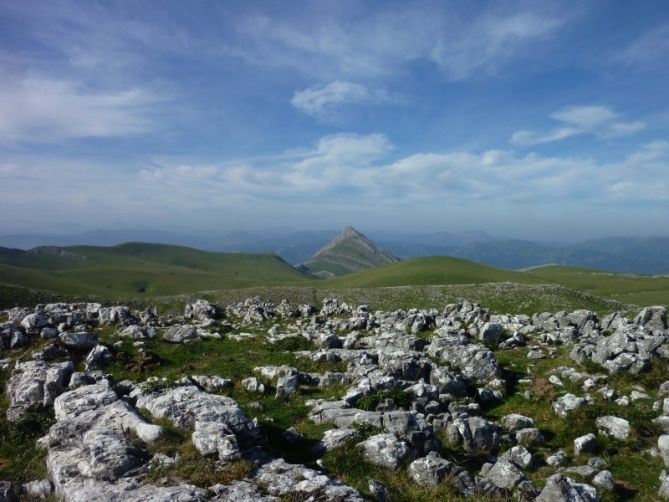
x=353 y=175
x=349 y=148
x=336 y=40
x=584 y=117
x=99 y=39
x=533 y=138
x=649 y=51
x=650 y=153
x=319 y=100
x=40 y=110
x=349 y=167
x=335 y=161
x=8 y=168
x=336 y=46
x=600 y=121
x=345 y=45
x=491 y=41
x=623 y=129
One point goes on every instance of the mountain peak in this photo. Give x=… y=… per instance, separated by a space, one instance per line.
x=350 y=231
x=348 y=234
x=349 y=252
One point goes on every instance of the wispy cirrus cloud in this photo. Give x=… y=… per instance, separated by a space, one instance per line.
x=649 y=51
x=491 y=41
x=47 y=111
x=210 y=84
x=91 y=63
x=599 y=121
x=342 y=168
x=344 y=177
x=359 y=167
x=335 y=161
x=380 y=44
x=319 y=100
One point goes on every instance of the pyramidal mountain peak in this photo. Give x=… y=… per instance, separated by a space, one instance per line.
x=349 y=230
x=348 y=252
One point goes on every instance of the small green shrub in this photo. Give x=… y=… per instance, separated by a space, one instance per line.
x=293 y=343
x=156 y=385
x=20 y=459
x=371 y=401
x=192 y=468
x=367 y=430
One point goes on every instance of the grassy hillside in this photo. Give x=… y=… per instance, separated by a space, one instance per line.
x=431 y=270
x=135 y=269
x=625 y=288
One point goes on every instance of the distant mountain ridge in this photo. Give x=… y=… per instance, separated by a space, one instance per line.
x=141 y=268
x=349 y=252
x=640 y=255
x=134 y=270
x=636 y=255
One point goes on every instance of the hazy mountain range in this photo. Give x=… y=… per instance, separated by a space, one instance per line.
x=645 y=255
x=294 y=247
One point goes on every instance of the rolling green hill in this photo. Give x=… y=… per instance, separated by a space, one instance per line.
x=439 y=270
x=139 y=270
x=625 y=288
x=135 y=269
x=431 y=270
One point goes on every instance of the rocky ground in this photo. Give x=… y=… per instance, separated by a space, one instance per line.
x=276 y=402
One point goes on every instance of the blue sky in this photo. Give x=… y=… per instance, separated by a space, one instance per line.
x=541 y=120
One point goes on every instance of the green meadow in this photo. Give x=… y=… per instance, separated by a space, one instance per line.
x=140 y=271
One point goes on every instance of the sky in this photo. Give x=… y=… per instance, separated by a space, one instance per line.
x=540 y=120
